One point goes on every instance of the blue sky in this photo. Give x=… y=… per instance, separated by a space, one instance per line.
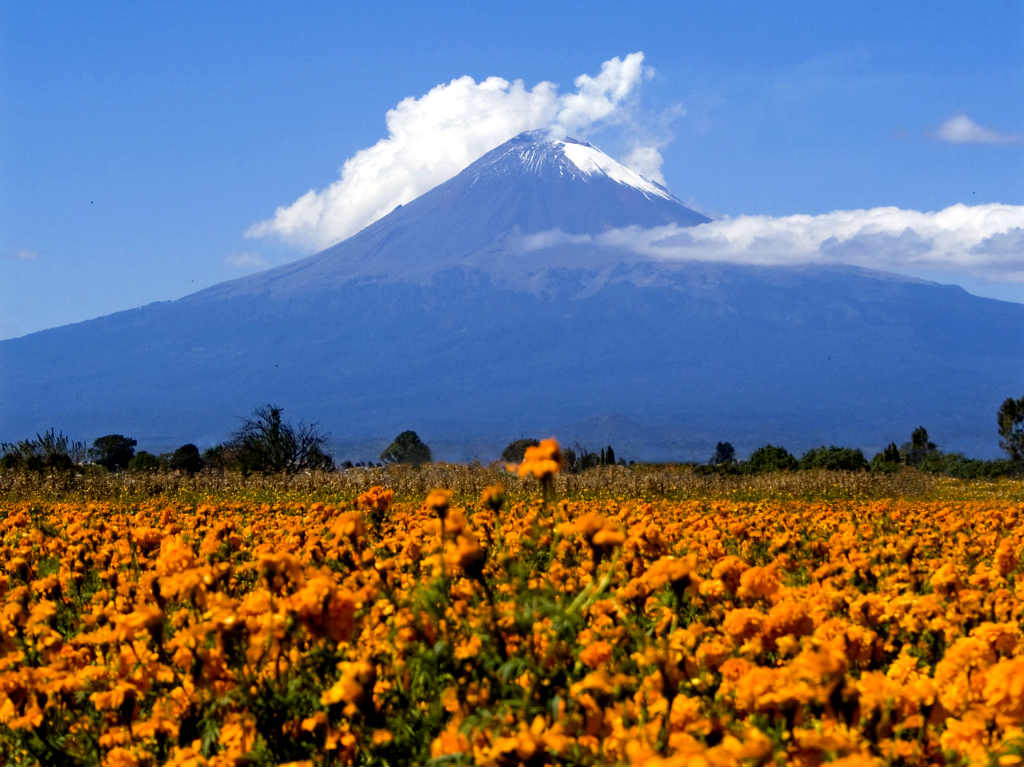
x=141 y=141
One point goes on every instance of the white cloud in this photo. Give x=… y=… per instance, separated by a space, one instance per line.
x=961 y=129
x=647 y=161
x=247 y=260
x=986 y=241
x=26 y=255
x=434 y=136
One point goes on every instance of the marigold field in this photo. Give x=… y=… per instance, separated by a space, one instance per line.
x=529 y=629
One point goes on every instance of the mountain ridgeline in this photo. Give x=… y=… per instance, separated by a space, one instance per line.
x=437 y=317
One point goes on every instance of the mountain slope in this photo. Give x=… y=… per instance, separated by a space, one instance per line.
x=432 y=318
x=529 y=184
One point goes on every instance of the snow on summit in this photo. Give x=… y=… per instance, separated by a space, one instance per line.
x=537 y=152
x=590 y=159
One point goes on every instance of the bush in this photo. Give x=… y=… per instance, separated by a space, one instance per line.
x=834 y=459
x=957 y=465
x=1010 y=419
x=187 y=459
x=49 y=451
x=113 y=451
x=888 y=460
x=514 y=451
x=724 y=455
x=920 y=448
x=770 y=458
x=144 y=461
x=407 y=447
x=268 y=445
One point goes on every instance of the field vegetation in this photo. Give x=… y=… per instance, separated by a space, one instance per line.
x=448 y=614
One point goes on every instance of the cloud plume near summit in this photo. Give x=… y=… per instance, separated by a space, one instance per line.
x=434 y=136
x=986 y=241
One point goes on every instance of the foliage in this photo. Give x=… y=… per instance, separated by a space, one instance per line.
x=1011 y=428
x=49 y=451
x=888 y=460
x=578 y=459
x=113 y=451
x=269 y=445
x=725 y=454
x=770 y=458
x=514 y=451
x=407 y=447
x=957 y=465
x=144 y=461
x=919 y=448
x=187 y=459
x=834 y=458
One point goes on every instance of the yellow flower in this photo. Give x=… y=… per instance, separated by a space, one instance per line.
x=593 y=655
x=541 y=461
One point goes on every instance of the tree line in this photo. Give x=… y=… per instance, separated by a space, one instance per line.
x=267 y=444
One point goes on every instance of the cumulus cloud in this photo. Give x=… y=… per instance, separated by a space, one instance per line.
x=647 y=161
x=961 y=129
x=986 y=241
x=432 y=137
x=247 y=260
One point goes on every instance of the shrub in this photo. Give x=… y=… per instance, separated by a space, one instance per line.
x=888 y=460
x=187 y=459
x=725 y=454
x=144 y=461
x=919 y=448
x=770 y=458
x=113 y=451
x=514 y=451
x=1011 y=428
x=834 y=459
x=268 y=445
x=407 y=447
x=51 y=450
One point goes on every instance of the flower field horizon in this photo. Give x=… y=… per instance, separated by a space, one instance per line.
x=549 y=621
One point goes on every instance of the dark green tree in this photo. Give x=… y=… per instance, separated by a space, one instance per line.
x=834 y=458
x=407 y=447
x=514 y=451
x=770 y=458
x=609 y=456
x=187 y=459
x=1011 y=428
x=144 y=461
x=725 y=454
x=269 y=445
x=888 y=460
x=919 y=449
x=113 y=451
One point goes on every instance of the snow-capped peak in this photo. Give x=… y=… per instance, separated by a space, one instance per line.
x=537 y=153
x=590 y=159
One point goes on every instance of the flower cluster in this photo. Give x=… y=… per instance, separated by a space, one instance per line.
x=471 y=631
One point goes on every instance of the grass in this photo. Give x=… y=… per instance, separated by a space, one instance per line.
x=672 y=482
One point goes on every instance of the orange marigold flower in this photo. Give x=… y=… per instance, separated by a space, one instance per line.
x=541 y=461
x=759 y=583
x=1004 y=688
x=349 y=525
x=593 y=655
x=351 y=688
x=121 y=757
x=377 y=498
x=493 y=497
x=471 y=556
x=438 y=501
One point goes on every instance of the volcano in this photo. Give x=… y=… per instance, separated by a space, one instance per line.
x=483 y=311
